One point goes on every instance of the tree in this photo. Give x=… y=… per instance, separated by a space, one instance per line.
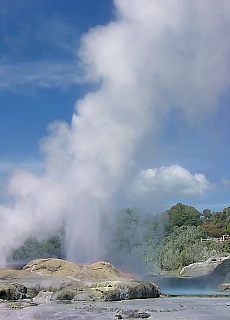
x=32 y=249
x=183 y=215
x=217 y=224
x=207 y=213
x=227 y=213
x=133 y=235
x=127 y=235
x=228 y=228
x=183 y=246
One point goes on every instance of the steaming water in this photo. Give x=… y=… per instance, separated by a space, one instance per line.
x=200 y=285
x=204 y=285
x=162 y=308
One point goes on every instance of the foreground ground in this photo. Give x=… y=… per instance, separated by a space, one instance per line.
x=40 y=292
x=186 y=308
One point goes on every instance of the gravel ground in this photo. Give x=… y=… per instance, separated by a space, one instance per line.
x=186 y=308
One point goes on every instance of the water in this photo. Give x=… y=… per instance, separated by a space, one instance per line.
x=203 y=285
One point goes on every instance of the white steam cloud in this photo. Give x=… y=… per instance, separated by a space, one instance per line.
x=157 y=55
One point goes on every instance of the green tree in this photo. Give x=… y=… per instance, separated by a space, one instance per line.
x=32 y=249
x=183 y=215
x=227 y=213
x=183 y=246
x=207 y=213
x=127 y=235
x=228 y=228
x=217 y=224
x=135 y=236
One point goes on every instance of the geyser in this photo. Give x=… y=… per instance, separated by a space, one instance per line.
x=156 y=56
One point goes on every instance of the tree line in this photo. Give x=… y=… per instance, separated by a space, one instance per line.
x=143 y=242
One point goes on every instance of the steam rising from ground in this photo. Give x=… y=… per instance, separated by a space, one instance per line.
x=157 y=55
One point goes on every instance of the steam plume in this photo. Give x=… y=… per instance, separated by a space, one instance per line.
x=157 y=55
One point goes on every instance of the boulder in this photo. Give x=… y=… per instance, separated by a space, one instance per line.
x=224 y=287
x=12 y=291
x=75 y=292
x=126 y=290
x=132 y=314
x=107 y=291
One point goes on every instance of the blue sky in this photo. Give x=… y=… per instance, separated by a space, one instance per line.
x=34 y=35
x=41 y=80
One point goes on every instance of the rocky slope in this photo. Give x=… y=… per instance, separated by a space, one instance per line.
x=207 y=267
x=214 y=271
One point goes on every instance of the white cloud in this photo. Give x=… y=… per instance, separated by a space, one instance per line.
x=43 y=56
x=169 y=182
x=46 y=74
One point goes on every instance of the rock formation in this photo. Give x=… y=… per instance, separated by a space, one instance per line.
x=56 y=279
x=204 y=268
x=62 y=268
x=214 y=271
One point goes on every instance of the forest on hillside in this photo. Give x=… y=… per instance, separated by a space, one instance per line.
x=142 y=242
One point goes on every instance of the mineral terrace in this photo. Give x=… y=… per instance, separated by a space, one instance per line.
x=56 y=279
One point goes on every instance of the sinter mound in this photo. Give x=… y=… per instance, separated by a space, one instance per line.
x=62 y=268
x=56 y=279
